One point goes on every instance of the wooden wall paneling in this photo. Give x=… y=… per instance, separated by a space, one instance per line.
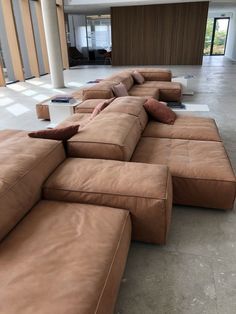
x=29 y=37
x=159 y=34
x=62 y=33
x=38 y=11
x=12 y=39
x=2 y=78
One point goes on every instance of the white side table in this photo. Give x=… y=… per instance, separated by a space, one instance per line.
x=185 y=84
x=59 y=111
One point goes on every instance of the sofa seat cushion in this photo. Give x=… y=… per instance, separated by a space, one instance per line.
x=201 y=171
x=25 y=164
x=64 y=258
x=144 y=190
x=108 y=136
x=5 y=134
x=140 y=91
x=185 y=127
x=102 y=90
x=78 y=118
x=168 y=91
x=88 y=105
x=131 y=105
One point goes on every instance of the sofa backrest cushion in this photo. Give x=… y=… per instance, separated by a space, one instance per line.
x=108 y=136
x=88 y=105
x=155 y=74
x=130 y=105
x=102 y=90
x=25 y=164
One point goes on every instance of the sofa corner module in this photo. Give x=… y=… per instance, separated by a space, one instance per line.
x=144 y=190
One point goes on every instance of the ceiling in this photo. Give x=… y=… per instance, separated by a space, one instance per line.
x=103 y=6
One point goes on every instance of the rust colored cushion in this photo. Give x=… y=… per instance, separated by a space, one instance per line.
x=61 y=134
x=139 y=79
x=120 y=90
x=159 y=111
x=102 y=105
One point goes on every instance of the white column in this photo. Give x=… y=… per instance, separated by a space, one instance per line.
x=49 y=12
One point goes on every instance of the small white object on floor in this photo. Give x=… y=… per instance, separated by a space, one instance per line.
x=193 y=107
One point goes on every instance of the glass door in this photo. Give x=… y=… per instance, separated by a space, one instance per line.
x=220 y=33
x=216 y=36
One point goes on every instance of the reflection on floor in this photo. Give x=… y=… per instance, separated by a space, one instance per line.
x=195 y=272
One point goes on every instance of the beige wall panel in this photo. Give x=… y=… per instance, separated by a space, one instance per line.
x=62 y=32
x=29 y=36
x=12 y=39
x=38 y=10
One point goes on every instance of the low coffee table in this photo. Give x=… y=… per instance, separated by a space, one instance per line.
x=60 y=111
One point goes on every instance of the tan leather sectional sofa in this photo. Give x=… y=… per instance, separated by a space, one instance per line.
x=191 y=148
x=68 y=256
x=157 y=84
x=67 y=217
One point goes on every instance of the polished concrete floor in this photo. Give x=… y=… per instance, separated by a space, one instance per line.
x=195 y=272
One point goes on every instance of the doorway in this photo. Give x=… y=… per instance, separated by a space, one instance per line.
x=216 y=36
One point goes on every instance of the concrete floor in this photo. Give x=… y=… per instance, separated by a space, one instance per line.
x=195 y=272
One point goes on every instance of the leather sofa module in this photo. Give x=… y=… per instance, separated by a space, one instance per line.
x=25 y=165
x=155 y=74
x=64 y=258
x=144 y=190
x=185 y=127
x=130 y=105
x=201 y=171
x=108 y=136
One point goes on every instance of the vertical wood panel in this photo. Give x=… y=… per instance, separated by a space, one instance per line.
x=38 y=11
x=159 y=34
x=2 y=78
x=29 y=36
x=62 y=33
x=12 y=39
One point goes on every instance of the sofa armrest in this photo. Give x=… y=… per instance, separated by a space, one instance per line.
x=145 y=190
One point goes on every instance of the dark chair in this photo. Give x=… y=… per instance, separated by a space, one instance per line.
x=75 y=56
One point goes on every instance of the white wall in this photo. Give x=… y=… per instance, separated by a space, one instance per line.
x=230 y=50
